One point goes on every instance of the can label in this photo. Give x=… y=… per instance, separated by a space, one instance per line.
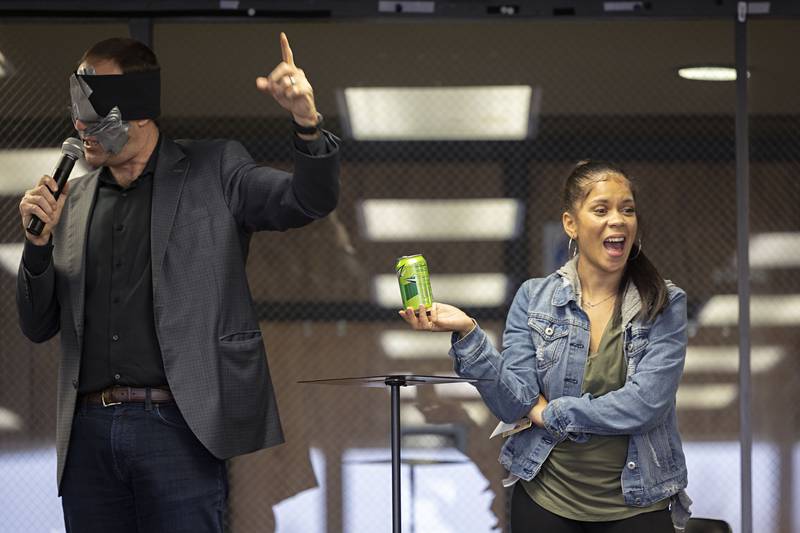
x=414 y=280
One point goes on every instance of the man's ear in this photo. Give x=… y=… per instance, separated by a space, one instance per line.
x=569 y=225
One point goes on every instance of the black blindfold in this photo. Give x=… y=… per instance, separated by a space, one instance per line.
x=138 y=94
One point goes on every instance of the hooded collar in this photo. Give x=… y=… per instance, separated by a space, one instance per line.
x=570 y=290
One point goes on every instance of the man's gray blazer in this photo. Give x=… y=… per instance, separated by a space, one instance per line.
x=208 y=199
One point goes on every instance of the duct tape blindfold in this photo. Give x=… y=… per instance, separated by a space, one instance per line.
x=137 y=94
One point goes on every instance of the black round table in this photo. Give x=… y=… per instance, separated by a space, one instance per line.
x=394 y=382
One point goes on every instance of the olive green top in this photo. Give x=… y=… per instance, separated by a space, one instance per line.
x=581 y=481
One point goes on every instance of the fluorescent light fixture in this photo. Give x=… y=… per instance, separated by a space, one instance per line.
x=9 y=421
x=475 y=290
x=402 y=344
x=10 y=255
x=709 y=73
x=488 y=113
x=477 y=411
x=487 y=219
x=411 y=415
x=623 y=6
x=707 y=396
x=462 y=391
x=726 y=359
x=404 y=6
x=20 y=169
x=765 y=310
x=407 y=393
x=775 y=250
x=6 y=69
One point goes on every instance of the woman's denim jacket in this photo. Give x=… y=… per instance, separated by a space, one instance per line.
x=545 y=346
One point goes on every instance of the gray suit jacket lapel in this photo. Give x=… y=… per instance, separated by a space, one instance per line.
x=168 y=182
x=81 y=200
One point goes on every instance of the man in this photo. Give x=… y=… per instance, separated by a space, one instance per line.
x=141 y=267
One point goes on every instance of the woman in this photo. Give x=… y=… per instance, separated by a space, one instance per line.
x=592 y=357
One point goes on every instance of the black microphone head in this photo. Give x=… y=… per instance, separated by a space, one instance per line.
x=72 y=147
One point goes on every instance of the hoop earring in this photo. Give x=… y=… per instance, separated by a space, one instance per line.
x=638 y=250
x=570 y=251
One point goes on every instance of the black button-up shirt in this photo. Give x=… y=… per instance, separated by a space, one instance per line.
x=120 y=346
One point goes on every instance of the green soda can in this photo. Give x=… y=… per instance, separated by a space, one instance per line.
x=415 y=283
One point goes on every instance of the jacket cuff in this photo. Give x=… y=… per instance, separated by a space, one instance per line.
x=316 y=179
x=554 y=421
x=35 y=258
x=467 y=348
x=323 y=145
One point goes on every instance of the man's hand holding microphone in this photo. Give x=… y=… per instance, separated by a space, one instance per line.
x=41 y=206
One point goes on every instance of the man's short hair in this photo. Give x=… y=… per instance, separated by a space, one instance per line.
x=129 y=54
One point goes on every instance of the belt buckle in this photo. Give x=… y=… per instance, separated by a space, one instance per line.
x=109 y=404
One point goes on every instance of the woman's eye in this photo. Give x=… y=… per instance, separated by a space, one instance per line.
x=600 y=211
x=629 y=210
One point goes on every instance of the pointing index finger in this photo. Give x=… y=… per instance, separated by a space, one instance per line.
x=286 y=50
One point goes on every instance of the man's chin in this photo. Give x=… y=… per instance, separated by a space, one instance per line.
x=96 y=159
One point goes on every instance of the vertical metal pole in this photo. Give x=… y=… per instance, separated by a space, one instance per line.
x=395 y=457
x=412 y=526
x=141 y=29
x=743 y=265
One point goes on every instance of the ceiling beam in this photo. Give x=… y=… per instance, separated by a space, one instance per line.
x=399 y=9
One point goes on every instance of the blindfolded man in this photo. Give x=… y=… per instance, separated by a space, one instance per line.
x=141 y=268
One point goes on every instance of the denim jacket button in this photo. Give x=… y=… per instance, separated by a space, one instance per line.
x=631 y=465
x=630 y=346
x=549 y=331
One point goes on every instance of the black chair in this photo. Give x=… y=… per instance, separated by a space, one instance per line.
x=707 y=525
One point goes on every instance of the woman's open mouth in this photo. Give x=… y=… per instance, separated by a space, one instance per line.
x=615 y=246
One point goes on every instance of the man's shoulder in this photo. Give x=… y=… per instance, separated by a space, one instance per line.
x=212 y=149
x=205 y=145
x=82 y=180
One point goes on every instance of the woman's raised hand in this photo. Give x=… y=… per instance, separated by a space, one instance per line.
x=440 y=317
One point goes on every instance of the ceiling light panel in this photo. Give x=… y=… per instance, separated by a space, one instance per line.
x=706 y=396
x=489 y=113
x=708 y=73
x=409 y=344
x=485 y=219
x=21 y=169
x=775 y=250
x=725 y=359
x=765 y=310
x=473 y=290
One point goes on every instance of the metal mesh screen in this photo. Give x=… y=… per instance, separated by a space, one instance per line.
x=774 y=262
x=34 y=109
x=326 y=294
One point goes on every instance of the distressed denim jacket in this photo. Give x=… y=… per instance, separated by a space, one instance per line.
x=545 y=347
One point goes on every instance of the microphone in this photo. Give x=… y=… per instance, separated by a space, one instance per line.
x=71 y=151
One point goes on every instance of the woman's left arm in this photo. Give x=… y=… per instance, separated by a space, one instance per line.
x=644 y=400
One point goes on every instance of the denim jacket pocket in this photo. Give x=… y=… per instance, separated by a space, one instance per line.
x=549 y=339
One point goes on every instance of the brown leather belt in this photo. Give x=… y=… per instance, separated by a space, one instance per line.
x=117 y=395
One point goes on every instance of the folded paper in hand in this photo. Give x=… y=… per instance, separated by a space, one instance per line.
x=505 y=429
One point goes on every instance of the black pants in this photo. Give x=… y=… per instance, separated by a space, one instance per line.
x=528 y=517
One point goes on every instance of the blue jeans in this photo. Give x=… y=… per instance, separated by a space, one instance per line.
x=133 y=470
